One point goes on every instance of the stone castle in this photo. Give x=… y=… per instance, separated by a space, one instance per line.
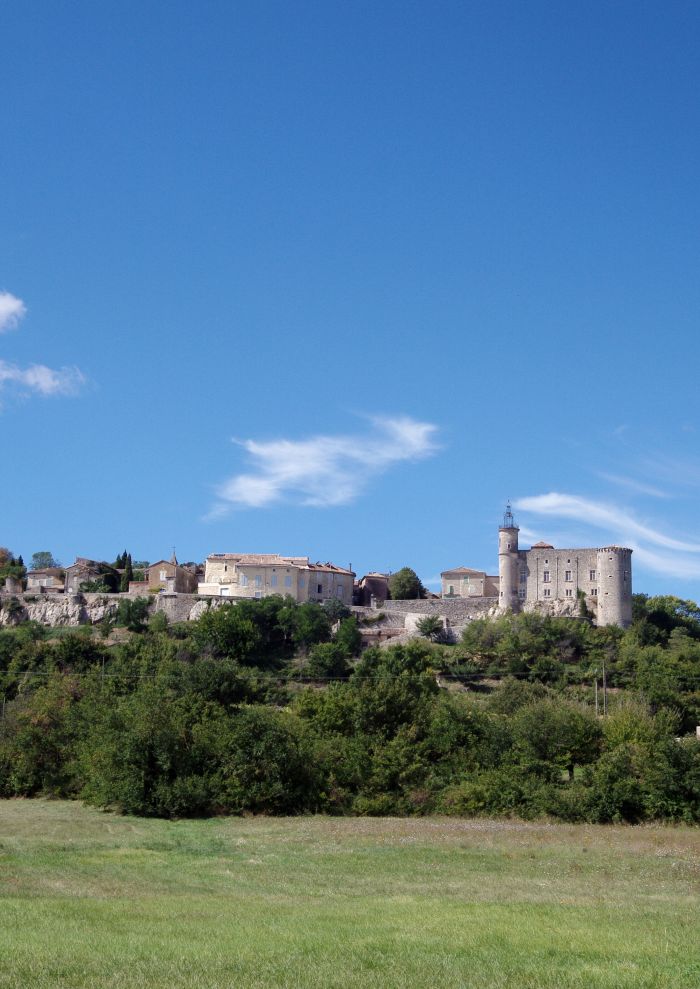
x=602 y=577
x=555 y=581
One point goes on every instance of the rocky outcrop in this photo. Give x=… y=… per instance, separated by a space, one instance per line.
x=57 y=610
x=90 y=609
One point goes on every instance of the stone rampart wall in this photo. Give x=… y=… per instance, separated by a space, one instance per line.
x=456 y=610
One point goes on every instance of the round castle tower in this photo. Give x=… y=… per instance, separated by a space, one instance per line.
x=614 y=565
x=508 y=567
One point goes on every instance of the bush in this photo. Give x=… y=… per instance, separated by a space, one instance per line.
x=327 y=661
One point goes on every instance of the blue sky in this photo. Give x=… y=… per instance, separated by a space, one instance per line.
x=340 y=279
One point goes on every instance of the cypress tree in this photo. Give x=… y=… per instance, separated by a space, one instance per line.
x=128 y=574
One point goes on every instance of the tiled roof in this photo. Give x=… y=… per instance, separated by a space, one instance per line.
x=329 y=568
x=274 y=559
x=542 y=545
x=477 y=573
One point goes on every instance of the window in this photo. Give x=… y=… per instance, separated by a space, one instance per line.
x=521 y=593
x=163 y=575
x=273 y=580
x=567 y=575
x=244 y=580
x=569 y=593
x=523 y=576
x=594 y=592
x=451 y=590
x=300 y=581
x=547 y=592
x=339 y=590
x=591 y=574
x=258 y=581
x=546 y=576
x=258 y=594
x=288 y=581
x=319 y=588
x=225 y=567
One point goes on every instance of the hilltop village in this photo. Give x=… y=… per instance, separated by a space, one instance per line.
x=564 y=582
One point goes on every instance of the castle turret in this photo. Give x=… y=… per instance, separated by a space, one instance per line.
x=508 y=567
x=614 y=577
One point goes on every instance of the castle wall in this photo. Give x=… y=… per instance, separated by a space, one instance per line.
x=561 y=572
x=456 y=610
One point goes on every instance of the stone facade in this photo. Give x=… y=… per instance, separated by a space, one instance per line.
x=49 y=580
x=550 y=580
x=543 y=575
x=372 y=588
x=168 y=575
x=261 y=575
x=84 y=570
x=462 y=582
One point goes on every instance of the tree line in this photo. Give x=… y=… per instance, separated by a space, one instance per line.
x=270 y=707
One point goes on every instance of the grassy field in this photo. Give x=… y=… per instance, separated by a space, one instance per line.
x=93 y=900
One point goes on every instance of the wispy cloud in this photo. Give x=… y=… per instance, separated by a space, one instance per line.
x=36 y=378
x=640 y=487
x=324 y=471
x=43 y=380
x=12 y=310
x=655 y=550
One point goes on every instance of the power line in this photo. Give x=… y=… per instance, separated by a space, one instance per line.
x=97 y=672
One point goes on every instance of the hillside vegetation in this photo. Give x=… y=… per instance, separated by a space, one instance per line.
x=262 y=707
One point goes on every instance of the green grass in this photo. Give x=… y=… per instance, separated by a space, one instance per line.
x=92 y=900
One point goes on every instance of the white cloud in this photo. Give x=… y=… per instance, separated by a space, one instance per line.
x=45 y=381
x=673 y=557
x=36 y=378
x=12 y=310
x=324 y=471
x=640 y=487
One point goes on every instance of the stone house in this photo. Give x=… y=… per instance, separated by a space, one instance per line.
x=84 y=570
x=169 y=575
x=48 y=580
x=372 y=588
x=463 y=582
x=259 y=575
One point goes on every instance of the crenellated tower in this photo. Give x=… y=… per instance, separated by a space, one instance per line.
x=614 y=574
x=508 y=565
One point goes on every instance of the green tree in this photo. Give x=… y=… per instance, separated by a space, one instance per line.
x=327 y=661
x=133 y=614
x=11 y=566
x=43 y=560
x=431 y=627
x=305 y=624
x=266 y=765
x=557 y=732
x=127 y=575
x=349 y=637
x=227 y=631
x=335 y=609
x=405 y=585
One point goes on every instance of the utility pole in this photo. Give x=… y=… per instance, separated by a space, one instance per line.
x=605 y=691
x=596 y=696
